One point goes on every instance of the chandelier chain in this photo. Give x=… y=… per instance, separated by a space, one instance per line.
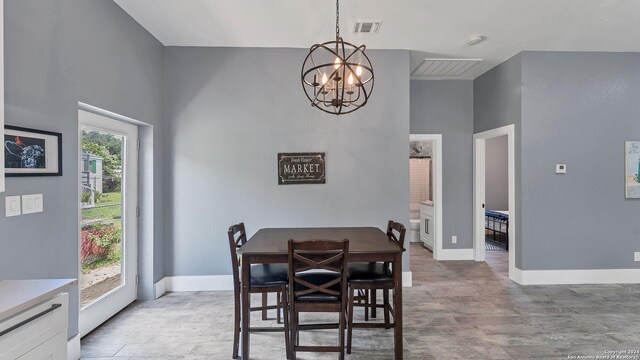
x=337 y=19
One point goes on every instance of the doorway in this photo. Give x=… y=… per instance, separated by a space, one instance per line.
x=425 y=203
x=108 y=173
x=499 y=223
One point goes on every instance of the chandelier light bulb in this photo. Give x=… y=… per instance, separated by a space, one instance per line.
x=336 y=63
x=324 y=78
x=350 y=81
x=359 y=70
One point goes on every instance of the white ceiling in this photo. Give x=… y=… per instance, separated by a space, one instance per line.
x=430 y=28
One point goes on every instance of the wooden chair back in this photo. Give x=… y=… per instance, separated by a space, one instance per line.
x=237 y=237
x=324 y=255
x=396 y=232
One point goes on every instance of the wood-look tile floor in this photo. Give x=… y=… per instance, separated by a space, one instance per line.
x=455 y=310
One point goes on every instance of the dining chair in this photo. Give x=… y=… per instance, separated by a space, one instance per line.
x=265 y=279
x=317 y=283
x=367 y=279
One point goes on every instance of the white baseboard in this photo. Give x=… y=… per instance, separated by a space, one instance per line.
x=516 y=276
x=219 y=283
x=455 y=254
x=160 y=288
x=73 y=348
x=575 y=277
x=407 y=279
x=199 y=283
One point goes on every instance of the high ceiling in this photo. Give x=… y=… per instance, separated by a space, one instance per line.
x=429 y=28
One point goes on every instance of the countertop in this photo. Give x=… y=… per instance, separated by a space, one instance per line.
x=19 y=295
x=427 y=203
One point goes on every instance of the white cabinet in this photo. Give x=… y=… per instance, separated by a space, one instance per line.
x=37 y=333
x=49 y=350
x=427 y=225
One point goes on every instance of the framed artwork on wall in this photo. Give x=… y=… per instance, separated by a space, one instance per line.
x=632 y=169
x=301 y=168
x=29 y=152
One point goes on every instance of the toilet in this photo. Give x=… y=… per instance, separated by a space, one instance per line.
x=414 y=230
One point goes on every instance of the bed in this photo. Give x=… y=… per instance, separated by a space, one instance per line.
x=496 y=225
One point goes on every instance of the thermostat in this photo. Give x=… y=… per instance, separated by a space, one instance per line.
x=561 y=168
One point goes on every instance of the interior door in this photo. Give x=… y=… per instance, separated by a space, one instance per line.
x=108 y=174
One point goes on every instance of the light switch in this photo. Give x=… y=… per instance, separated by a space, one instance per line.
x=32 y=203
x=12 y=206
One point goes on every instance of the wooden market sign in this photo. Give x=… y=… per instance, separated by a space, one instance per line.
x=301 y=168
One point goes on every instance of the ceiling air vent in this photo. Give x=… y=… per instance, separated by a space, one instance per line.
x=444 y=67
x=369 y=26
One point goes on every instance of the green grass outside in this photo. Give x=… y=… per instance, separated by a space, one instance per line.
x=110 y=198
x=107 y=208
x=107 y=213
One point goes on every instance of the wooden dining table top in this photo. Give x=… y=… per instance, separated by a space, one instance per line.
x=274 y=241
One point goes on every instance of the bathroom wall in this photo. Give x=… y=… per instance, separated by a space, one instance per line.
x=419 y=186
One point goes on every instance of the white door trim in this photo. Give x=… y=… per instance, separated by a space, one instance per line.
x=437 y=185
x=479 y=182
x=114 y=301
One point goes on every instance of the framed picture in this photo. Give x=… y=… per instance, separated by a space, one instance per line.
x=301 y=168
x=29 y=152
x=632 y=169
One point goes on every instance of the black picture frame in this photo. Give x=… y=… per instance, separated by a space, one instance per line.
x=52 y=157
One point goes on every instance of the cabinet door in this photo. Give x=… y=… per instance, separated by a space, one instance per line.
x=428 y=231
x=53 y=349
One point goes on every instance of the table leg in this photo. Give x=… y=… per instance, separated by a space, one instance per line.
x=246 y=305
x=397 y=305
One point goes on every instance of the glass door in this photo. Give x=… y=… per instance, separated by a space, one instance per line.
x=108 y=217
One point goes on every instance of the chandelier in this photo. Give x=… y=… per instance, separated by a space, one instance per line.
x=337 y=76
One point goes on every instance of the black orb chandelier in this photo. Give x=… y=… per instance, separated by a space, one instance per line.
x=337 y=76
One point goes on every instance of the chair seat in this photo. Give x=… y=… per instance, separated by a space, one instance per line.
x=269 y=274
x=318 y=278
x=369 y=273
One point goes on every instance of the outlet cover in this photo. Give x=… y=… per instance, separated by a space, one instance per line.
x=32 y=203
x=12 y=206
x=636 y=256
x=454 y=239
x=561 y=168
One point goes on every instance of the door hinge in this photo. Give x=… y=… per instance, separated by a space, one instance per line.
x=137 y=280
x=137 y=212
x=138 y=144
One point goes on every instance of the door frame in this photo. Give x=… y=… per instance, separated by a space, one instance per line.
x=102 y=311
x=436 y=159
x=479 y=186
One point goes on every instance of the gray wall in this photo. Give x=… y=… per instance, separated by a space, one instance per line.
x=578 y=109
x=56 y=54
x=230 y=111
x=497 y=102
x=446 y=107
x=497 y=173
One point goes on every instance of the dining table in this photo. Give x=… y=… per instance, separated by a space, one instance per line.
x=366 y=244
